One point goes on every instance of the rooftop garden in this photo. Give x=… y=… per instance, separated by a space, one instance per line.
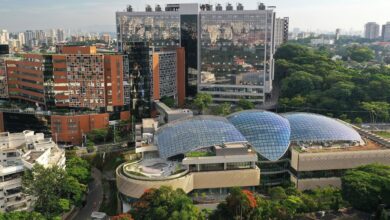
x=200 y=154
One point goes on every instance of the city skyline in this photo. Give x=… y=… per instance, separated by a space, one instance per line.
x=45 y=14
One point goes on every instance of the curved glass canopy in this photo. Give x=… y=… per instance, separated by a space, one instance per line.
x=308 y=127
x=267 y=132
x=182 y=136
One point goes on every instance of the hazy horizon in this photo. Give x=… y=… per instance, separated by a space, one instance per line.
x=99 y=15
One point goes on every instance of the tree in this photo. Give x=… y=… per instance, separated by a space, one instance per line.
x=21 y=215
x=277 y=193
x=98 y=135
x=245 y=104
x=165 y=203
x=300 y=83
x=358 y=121
x=223 y=109
x=54 y=190
x=366 y=187
x=240 y=204
x=202 y=101
x=79 y=169
x=377 y=110
x=360 y=53
x=124 y=216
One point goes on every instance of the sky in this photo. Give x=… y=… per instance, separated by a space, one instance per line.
x=99 y=15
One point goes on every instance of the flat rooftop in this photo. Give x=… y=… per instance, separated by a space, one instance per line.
x=370 y=145
x=33 y=156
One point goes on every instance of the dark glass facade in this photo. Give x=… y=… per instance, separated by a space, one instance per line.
x=137 y=55
x=189 y=40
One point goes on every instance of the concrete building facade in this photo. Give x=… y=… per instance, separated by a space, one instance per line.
x=18 y=152
x=386 y=32
x=371 y=30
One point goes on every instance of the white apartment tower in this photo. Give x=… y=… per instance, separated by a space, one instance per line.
x=371 y=30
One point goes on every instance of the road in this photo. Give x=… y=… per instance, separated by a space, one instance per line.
x=94 y=198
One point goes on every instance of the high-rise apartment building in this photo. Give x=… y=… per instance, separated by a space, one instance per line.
x=4 y=51
x=386 y=32
x=281 y=31
x=21 y=38
x=4 y=36
x=168 y=75
x=30 y=79
x=337 y=34
x=76 y=77
x=29 y=37
x=371 y=30
x=60 y=35
x=232 y=49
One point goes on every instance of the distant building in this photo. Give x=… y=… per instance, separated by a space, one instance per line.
x=60 y=35
x=29 y=38
x=4 y=36
x=21 y=38
x=337 y=35
x=281 y=31
x=321 y=41
x=371 y=30
x=4 y=51
x=18 y=152
x=386 y=32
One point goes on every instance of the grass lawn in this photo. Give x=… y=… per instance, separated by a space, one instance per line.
x=384 y=134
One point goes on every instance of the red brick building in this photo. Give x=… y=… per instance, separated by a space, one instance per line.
x=70 y=129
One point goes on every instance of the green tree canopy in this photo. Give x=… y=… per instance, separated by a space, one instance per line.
x=22 y=215
x=165 y=203
x=245 y=104
x=202 y=101
x=98 y=135
x=366 y=187
x=79 y=169
x=223 y=109
x=53 y=189
x=360 y=53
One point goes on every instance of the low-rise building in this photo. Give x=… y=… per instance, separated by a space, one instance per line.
x=209 y=154
x=72 y=129
x=20 y=151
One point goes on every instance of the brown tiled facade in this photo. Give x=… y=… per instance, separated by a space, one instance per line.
x=168 y=74
x=30 y=79
x=113 y=68
x=70 y=129
x=78 y=77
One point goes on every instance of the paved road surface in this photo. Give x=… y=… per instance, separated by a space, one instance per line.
x=94 y=198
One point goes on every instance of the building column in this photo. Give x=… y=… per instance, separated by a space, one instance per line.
x=225 y=166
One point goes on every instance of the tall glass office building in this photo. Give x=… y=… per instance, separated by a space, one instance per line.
x=229 y=53
x=177 y=26
x=236 y=49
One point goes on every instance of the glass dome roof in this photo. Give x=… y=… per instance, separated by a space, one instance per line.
x=308 y=127
x=267 y=132
x=182 y=136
